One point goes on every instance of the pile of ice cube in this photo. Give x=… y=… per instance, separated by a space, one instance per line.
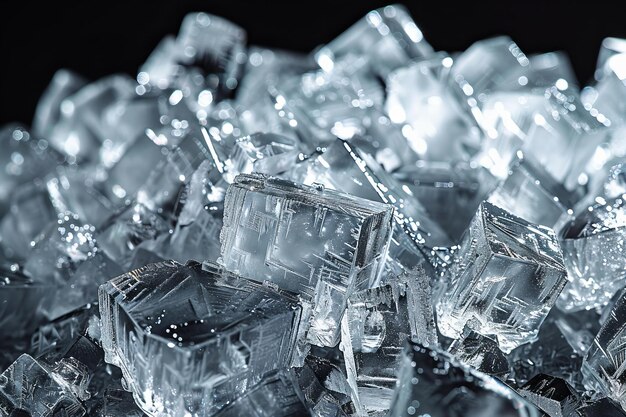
x=373 y=229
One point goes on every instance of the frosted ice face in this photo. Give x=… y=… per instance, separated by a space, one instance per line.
x=375 y=328
x=192 y=338
x=551 y=395
x=531 y=193
x=345 y=168
x=603 y=367
x=320 y=244
x=509 y=275
x=432 y=382
x=593 y=251
x=386 y=37
x=262 y=152
x=277 y=395
x=480 y=352
x=434 y=123
x=31 y=386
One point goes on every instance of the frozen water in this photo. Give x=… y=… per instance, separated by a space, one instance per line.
x=320 y=244
x=387 y=38
x=603 y=366
x=552 y=395
x=593 y=251
x=531 y=193
x=31 y=386
x=192 y=338
x=509 y=275
x=432 y=382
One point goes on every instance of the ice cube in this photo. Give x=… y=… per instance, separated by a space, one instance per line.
x=593 y=248
x=23 y=159
x=193 y=338
x=320 y=244
x=509 y=275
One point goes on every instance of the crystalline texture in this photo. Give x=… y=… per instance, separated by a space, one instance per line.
x=31 y=386
x=553 y=396
x=593 y=251
x=603 y=367
x=432 y=382
x=191 y=339
x=414 y=231
x=317 y=243
x=277 y=396
x=510 y=273
x=374 y=331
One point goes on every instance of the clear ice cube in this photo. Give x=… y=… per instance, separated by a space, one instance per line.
x=508 y=276
x=593 y=252
x=193 y=338
x=320 y=244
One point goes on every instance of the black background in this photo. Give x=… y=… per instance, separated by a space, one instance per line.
x=99 y=38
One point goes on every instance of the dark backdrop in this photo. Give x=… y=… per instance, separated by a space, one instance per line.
x=99 y=38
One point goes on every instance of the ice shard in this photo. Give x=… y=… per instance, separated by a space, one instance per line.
x=553 y=396
x=604 y=407
x=318 y=243
x=432 y=382
x=34 y=389
x=603 y=366
x=193 y=338
x=508 y=277
x=562 y=342
x=593 y=248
